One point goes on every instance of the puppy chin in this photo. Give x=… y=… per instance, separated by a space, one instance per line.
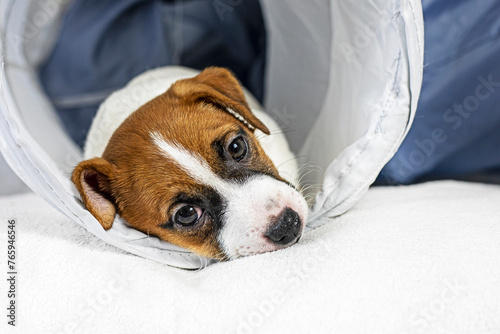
x=262 y=215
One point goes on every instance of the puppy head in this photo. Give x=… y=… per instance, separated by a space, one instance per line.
x=187 y=167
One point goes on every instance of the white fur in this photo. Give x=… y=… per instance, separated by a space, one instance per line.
x=192 y=163
x=250 y=211
x=250 y=207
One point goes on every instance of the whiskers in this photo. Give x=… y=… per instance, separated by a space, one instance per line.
x=221 y=256
x=308 y=190
x=274 y=132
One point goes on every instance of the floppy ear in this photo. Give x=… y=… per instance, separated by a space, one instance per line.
x=218 y=86
x=92 y=178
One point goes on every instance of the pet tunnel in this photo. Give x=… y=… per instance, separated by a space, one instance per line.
x=349 y=72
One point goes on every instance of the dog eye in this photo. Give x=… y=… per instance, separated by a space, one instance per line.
x=237 y=148
x=187 y=215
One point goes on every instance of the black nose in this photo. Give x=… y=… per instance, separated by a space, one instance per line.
x=286 y=229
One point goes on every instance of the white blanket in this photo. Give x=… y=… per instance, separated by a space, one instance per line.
x=418 y=259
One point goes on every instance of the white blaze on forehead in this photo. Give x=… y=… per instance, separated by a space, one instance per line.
x=192 y=163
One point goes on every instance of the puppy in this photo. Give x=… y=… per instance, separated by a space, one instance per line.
x=181 y=156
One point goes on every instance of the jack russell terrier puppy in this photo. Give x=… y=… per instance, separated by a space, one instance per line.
x=180 y=155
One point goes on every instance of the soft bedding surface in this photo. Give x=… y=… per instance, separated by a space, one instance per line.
x=416 y=259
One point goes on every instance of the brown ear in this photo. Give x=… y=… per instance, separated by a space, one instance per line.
x=92 y=179
x=218 y=86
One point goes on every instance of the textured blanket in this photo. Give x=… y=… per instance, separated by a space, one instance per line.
x=417 y=259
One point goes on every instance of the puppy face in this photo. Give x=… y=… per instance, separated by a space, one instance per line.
x=188 y=168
